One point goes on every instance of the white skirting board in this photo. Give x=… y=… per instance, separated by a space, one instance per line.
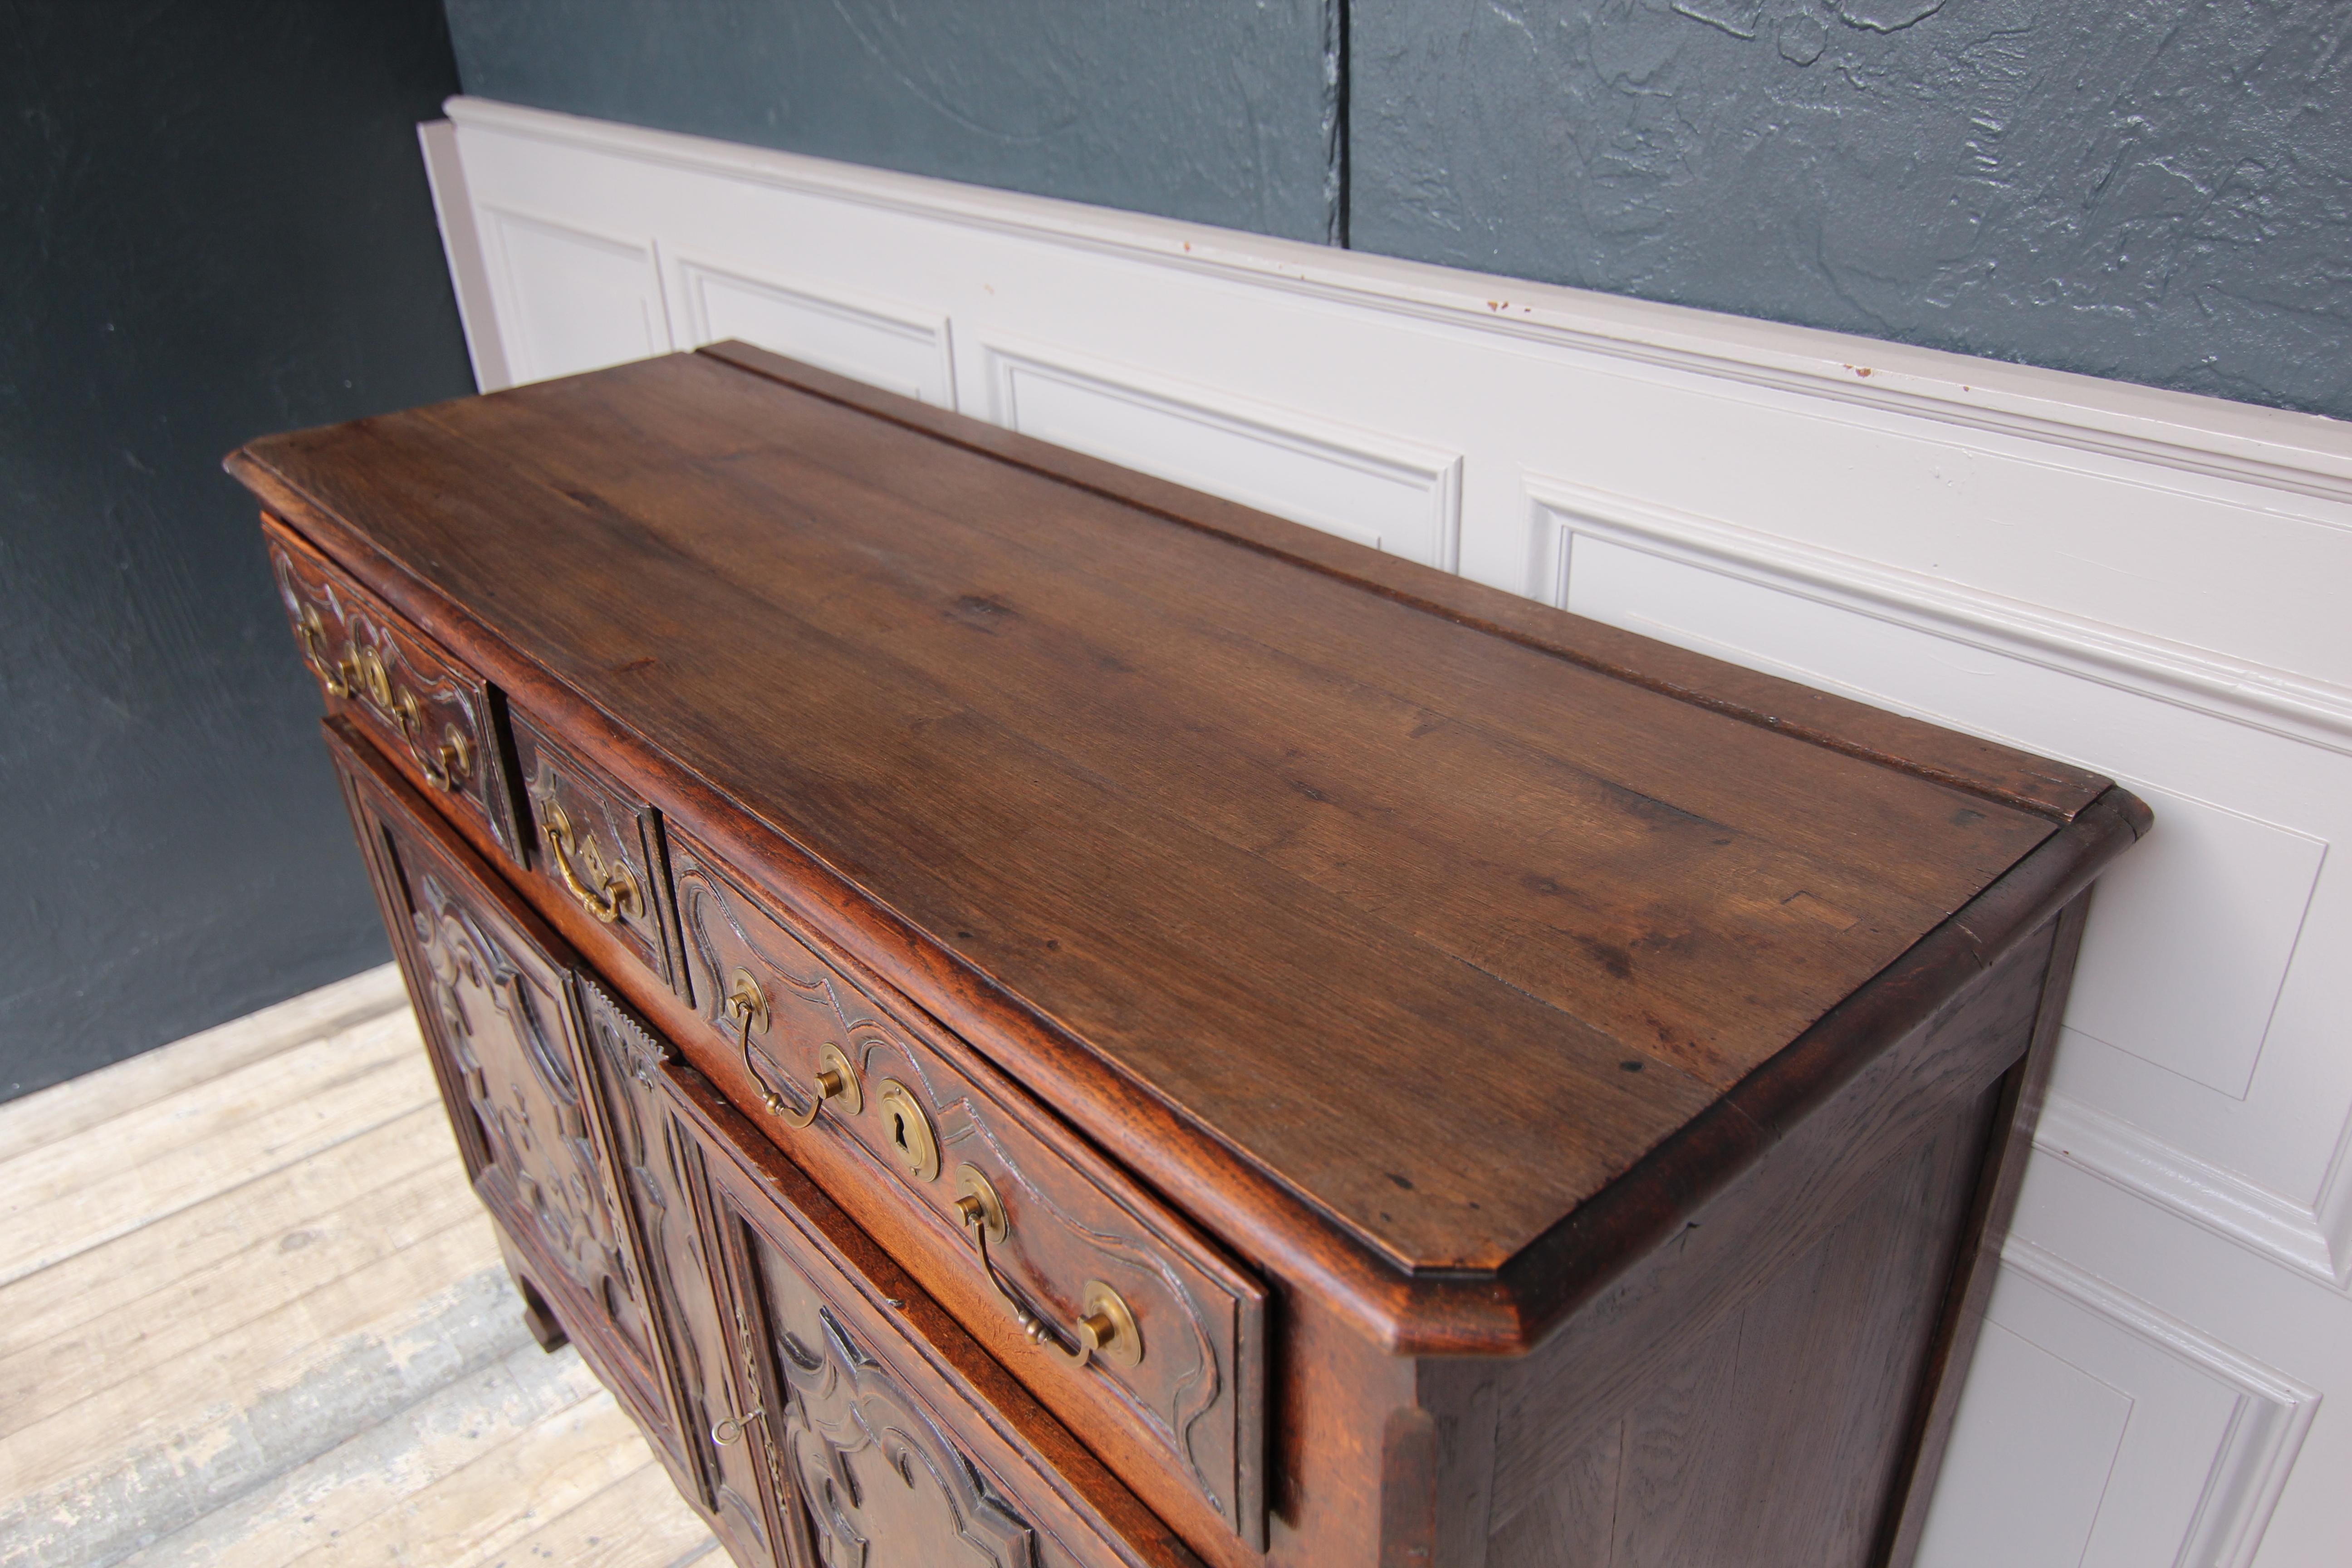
x=2149 y=583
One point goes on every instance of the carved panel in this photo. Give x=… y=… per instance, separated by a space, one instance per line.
x=494 y=1000
x=1197 y=1392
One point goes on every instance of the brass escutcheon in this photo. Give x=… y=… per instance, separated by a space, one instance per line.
x=907 y=1130
x=373 y=680
x=1106 y=1328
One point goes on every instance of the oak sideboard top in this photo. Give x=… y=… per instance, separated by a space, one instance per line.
x=1440 y=916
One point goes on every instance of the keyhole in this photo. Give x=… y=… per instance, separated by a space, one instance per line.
x=899 y=1128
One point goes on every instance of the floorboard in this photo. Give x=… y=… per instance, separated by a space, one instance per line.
x=250 y=1314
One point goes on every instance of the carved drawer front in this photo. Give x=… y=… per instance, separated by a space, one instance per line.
x=888 y=1438
x=494 y=995
x=659 y=1164
x=592 y=841
x=1126 y=1323
x=421 y=706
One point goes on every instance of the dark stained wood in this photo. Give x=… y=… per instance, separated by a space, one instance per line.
x=792 y=1260
x=1188 y=1422
x=493 y=994
x=2010 y=1142
x=1568 y=1092
x=1689 y=927
x=614 y=857
x=1997 y=772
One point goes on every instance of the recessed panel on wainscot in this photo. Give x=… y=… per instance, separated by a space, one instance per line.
x=2098 y=1431
x=1398 y=496
x=2195 y=996
x=573 y=300
x=900 y=349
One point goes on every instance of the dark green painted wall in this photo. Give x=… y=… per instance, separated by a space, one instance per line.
x=213 y=223
x=2153 y=190
x=1220 y=111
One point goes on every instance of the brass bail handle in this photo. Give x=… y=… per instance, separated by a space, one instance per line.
x=1105 y=1326
x=837 y=1077
x=334 y=674
x=748 y=1002
x=618 y=893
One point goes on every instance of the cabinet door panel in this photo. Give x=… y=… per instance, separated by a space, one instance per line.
x=659 y=1166
x=492 y=990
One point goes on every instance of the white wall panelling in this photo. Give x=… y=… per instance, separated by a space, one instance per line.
x=2097 y=1430
x=880 y=342
x=1395 y=495
x=2146 y=582
x=568 y=298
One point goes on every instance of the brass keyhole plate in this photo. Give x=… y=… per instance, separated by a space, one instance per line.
x=907 y=1130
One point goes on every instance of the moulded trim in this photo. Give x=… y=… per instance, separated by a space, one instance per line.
x=688 y=269
x=2305 y=453
x=2218 y=1200
x=1410 y=465
x=2300 y=708
x=505 y=292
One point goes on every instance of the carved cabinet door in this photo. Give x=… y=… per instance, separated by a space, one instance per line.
x=494 y=996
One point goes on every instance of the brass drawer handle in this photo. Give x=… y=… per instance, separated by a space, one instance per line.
x=1106 y=1327
x=836 y=1080
x=334 y=675
x=616 y=891
x=447 y=765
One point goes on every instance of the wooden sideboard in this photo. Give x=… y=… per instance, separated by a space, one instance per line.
x=1021 y=1014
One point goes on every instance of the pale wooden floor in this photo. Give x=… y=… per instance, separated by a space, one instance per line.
x=250 y=1315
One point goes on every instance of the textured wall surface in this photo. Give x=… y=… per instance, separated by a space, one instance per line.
x=1219 y=110
x=2154 y=190
x=212 y=224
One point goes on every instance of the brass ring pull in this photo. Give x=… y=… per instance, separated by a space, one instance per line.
x=1105 y=1326
x=836 y=1078
x=617 y=896
x=729 y=1430
x=746 y=1001
x=335 y=676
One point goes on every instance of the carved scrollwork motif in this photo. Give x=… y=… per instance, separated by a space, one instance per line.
x=882 y=1484
x=1175 y=1395
x=526 y=1101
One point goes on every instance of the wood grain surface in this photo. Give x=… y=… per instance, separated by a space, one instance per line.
x=1250 y=831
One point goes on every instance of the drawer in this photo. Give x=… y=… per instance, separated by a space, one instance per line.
x=591 y=840
x=1174 y=1395
x=495 y=1001
x=427 y=710
x=888 y=1437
